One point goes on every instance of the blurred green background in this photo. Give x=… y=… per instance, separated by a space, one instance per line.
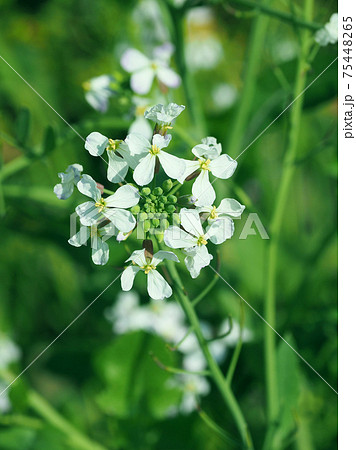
x=56 y=45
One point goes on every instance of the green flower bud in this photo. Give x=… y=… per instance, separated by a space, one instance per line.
x=157 y=191
x=153 y=197
x=164 y=224
x=172 y=199
x=147 y=225
x=170 y=209
x=151 y=215
x=142 y=216
x=161 y=205
x=163 y=199
x=135 y=209
x=159 y=237
x=148 y=200
x=146 y=191
x=164 y=215
x=167 y=185
x=155 y=223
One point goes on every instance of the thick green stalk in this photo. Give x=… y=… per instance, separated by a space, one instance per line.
x=245 y=102
x=216 y=373
x=277 y=220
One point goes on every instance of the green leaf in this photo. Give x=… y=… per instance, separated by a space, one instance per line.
x=23 y=126
x=134 y=385
x=49 y=140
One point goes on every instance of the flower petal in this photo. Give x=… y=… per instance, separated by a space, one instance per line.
x=196 y=259
x=161 y=141
x=87 y=186
x=138 y=144
x=157 y=286
x=230 y=207
x=124 y=197
x=80 y=238
x=175 y=237
x=162 y=255
x=63 y=190
x=168 y=77
x=202 y=190
x=220 y=230
x=164 y=114
x=190 y=221
x=190 y=167
x=209 y=148
x=100 y=252
x=128 y=276
x=133 y=60
x=122 y=219
x=173 y=166
x=144 y=172
x=96 y=143
x=117 y=168
x=141 y=81
x=223 y=167
x=141 y=126
x=138 y=257
x=88 y=213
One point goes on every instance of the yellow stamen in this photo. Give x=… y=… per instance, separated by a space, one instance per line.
x=113 y=145
x=154 y=150
x=147 y=268
x=204 y=164
x=201 y=241
x=213 y=214
x=154 y=66
x=100 y=204
x=140 y=110
x=86 y=85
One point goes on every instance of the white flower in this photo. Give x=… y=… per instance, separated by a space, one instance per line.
x=144 y=70
x=328 y=34
x=9 y=352
x=235 y=333
x=5 y=404
x=120 y=158
x=99 y=91
x=111 y=207
x=223 y=96
x=141 y=125
x=193 y=239
x=222 y=216
x=98 y=235
x=209 y=160
x=69 y=179
x=144 y=172
x=192 y=386
x=164 y=115
x=204 y=53
x=157 y=286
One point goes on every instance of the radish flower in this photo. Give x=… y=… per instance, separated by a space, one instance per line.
x=98 y=91
x=157 y=286
x=69 y=179
x=111 y=208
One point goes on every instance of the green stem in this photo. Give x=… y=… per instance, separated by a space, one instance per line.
x=191 y=94
x=237 y=351
x=285 y=17
x=277 y=220
x=244 y=105
x=206 y=290
x=44 y=409
x=108 y=191
x=216 y=373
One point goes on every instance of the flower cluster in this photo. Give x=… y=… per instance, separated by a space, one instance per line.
x=159 y=214
x=167 y=320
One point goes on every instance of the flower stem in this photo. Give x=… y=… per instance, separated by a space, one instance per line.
x=281 y=15
x=191 y=94
x=277 y=220
x=244 y=105
x=216 y=373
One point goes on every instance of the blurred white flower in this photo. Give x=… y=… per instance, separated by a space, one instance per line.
x=143 y=70
x=98 y=92
x=69 y=179
x=192 y=386
x=164 y=115
x=9 y=352
x=235 y=334
x=148 y=16
x=141 y=125
x=5 y=404
x=223 y=96
x=328 y=34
